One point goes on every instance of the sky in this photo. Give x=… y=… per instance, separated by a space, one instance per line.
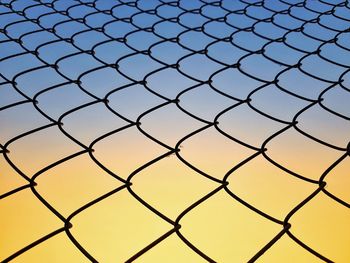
x=224 y=117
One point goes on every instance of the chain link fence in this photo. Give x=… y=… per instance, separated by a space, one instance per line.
x=240 y=51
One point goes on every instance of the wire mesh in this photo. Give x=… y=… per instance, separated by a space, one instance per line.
x=261 y=33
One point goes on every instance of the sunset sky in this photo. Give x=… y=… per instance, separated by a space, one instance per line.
x=203 y=126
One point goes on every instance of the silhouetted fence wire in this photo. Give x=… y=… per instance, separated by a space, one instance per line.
x=23 y=11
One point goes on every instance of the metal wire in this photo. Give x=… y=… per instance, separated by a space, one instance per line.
x=24 y=8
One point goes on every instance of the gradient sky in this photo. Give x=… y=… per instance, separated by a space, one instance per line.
x=134 y=78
